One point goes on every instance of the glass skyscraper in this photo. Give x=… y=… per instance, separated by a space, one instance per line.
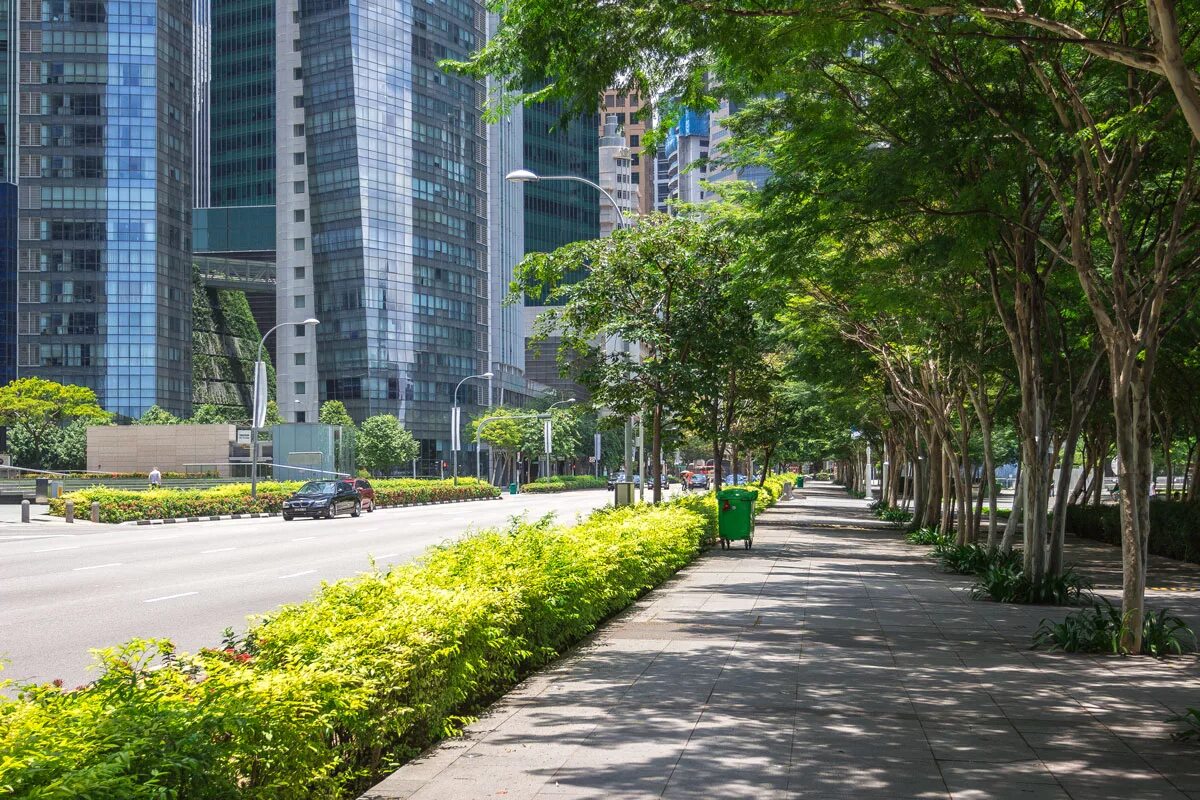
x=104 y=234
x=242 y=106
x=9 y=127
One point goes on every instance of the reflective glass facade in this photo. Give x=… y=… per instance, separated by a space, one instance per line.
x=396 y=156
x=560 y=212
x=242 y=135
x=105 y=199
x=9 y=126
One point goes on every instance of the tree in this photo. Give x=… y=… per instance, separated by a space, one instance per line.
x=383 y=443
x=209 y=414
x=333 y=412
x=273 y=416
x=35 y=409
x=643 y=286
x=158 y=416
x=70 y=451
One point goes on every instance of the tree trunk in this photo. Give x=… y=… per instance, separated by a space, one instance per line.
x=1018 y=509
x=656 y=451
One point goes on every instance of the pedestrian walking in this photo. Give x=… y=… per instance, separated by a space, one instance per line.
x=155 y=479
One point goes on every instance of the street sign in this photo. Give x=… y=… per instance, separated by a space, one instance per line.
x=591 y=459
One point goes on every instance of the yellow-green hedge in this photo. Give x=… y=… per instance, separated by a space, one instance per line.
x=123 y=505
x=323 y=696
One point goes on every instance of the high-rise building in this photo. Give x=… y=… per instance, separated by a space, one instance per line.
x=720 y=133
x=681 y=161
x=104 y=234
x=9 y=127
x=506 y=247
x=629 y=108
x=242 y=106
x=616 y=168
x=557 y=213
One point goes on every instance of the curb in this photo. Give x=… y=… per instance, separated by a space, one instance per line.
x=264 y=514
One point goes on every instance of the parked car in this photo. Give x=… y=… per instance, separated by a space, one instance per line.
x=365 y=492
x=698 y=480
x=619 y=477
x=323 y=499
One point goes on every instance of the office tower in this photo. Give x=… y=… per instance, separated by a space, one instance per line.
x=9 y=127
x=681 y=165
x=720 y=133
x=557 y=213
x=242 y=110
x=506 y=247
x=105 y=197
x=616 y=178
x=628 y=106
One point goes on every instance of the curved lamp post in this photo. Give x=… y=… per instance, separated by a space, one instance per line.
x=455 y=426
x=260 y=389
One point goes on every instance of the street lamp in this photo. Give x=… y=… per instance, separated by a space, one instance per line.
x=455 y=424
x=527 y=176
x=258 y=409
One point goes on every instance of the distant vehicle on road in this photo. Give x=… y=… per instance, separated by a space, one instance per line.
x=619 y=477
x=698 y=480
x=323 y=499
x=365 y=492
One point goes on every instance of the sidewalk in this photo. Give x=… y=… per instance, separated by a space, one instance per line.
x=831 y=661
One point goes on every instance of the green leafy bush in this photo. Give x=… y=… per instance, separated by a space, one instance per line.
x=1174 y=527
x=119 y=505
x=1189 y=725
x=972 y=559
x=564 y=483
x=1005 y=582
x=896 y=516
x=928 y=536
x=322 y=696
x=1101 y=627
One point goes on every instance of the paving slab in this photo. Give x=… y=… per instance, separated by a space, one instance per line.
x=832 y=660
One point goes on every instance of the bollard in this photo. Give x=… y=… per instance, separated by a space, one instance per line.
x=69 y=513
x=24 y=511
x=95 y=511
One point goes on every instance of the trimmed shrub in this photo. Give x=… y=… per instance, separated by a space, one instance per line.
x=321 y=697
x=1174 y=527
x=1100 y=629
x=120 y=505
x=564 y=483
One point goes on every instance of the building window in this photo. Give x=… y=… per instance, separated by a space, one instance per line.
x=298 y=101
x=610 y=100
x=300 y=416
x=296 y=45
x=298 y=387
x=635 y=140
x=298 y=301
x=620 y=99
x=298 y=187
x=298 y=244
x=300 y=359
x=298 y=128
x=635 y=177
x=297 y=73
x=300 y=331
x=298 y=215
x=298 y=158
x=299 y=273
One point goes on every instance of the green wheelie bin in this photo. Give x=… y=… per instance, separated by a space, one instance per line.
x=735 y=516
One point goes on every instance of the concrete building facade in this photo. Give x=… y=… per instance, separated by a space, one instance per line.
x=616 y=178
x=629 y=107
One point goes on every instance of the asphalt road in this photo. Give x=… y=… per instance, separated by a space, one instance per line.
x=63 y=593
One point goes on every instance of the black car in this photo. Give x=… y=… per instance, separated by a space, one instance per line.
x=698 y=480
x=323 y=499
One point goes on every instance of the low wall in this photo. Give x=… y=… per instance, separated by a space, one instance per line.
x=140 y=448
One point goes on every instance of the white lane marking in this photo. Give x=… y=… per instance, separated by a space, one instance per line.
x=98 y=566
x=218 y=550
x=56 y=549
x=298 y=574
x=169 y=597
x=387 y=555
x=304 y=539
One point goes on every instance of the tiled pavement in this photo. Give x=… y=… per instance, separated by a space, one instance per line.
x=831 y=661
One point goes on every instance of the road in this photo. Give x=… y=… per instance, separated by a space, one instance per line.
x=63 y=593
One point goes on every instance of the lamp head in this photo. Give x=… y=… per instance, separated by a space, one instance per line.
x=311 y=321
x=488 y=375
x=522 y=176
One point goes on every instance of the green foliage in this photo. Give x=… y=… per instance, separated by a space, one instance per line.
x=564 y=483
x=35 y=411
x=70 y=450
x=972 y=559
x=209 y=414
x=383 y=443
x=157 y=416
x=896 y=516
x=1102 y=627
x=1189 y=722
x=333 y=412
x=122 y=505
x=322 y=696
x=225 y=341
x=1174 y=527
x=929 y=536
x=1005 y=582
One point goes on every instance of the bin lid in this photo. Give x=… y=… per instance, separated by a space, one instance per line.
x=737 y=494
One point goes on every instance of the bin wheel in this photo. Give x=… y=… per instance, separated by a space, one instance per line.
x=748 y=544
x=724 y=544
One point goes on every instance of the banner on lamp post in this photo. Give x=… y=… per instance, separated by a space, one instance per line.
x=456 y=429
x=548 y=437
x=260 y=395
x=596 y=446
